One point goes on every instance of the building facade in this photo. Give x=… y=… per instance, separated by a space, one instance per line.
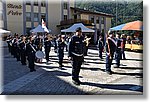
x=1 y=14
x=20 y=16
x=100 y=22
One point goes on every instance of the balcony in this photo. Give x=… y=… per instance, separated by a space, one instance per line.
x=72 y=21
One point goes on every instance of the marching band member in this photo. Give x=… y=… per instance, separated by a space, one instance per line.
x=118 y=51
x=76 y=53
x=86 y=45
x=100 y=46
x=47 y=46
x=30 y=49
x=110 y=49
x=23 y=50
x=39 y=44
x=60 y=50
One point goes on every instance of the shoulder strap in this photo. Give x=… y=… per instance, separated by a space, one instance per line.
x=112 y=40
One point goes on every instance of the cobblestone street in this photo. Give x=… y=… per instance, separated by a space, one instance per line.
x=49 y=79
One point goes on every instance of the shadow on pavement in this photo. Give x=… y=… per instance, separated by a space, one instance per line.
x=130 y=74
x=134 y=68
x=130 y=87
x=134 y=59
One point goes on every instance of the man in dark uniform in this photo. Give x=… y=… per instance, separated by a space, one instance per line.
x=13 y=47
x=100 y=47
x=23 y=50
x=110 y=49
x=47 y=46
x=76 y=53
x=86 y=45
x=55 y=45
x=16 y=48
x=9 y=43
x=30 y=49
x=123 y=36
x=38 y=42
x=60 y=47
x=118 y=50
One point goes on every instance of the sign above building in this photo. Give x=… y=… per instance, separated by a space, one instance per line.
x=14 y=9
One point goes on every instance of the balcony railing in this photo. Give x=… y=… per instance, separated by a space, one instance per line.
x=72 y=21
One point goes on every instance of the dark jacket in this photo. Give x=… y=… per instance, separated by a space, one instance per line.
x=112 y=46
x=76 y=46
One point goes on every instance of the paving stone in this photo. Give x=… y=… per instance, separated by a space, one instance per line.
x=49 y=79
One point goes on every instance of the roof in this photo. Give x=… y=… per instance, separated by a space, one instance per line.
x=75 y=26
x=39 y=28
x=91 y=12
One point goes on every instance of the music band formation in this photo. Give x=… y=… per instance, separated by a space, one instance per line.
x=29 y=49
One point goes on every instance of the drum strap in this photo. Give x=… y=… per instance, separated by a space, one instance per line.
x=33 y=48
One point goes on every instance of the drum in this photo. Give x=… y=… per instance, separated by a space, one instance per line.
x=39 y=54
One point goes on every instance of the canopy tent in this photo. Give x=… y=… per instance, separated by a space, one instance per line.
x=4 y=31
x=40 y=29
x=75 y=26
x=135 y=25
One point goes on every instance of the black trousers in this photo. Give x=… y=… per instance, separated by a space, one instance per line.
x=109 y=61
x=31 y=60
x=47 y=51
x=60 y=57
x=76 y=66
x=17 y=54
x=23 y=57
x=85 y=50
x=101 y=53
x=118 y=56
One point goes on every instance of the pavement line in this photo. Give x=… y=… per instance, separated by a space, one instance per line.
x=20 y=82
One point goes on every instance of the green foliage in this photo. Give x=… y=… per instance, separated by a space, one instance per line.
x=126 y=10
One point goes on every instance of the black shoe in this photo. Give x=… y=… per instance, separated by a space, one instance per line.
x=60 y=66
x=32 y=70
x=109 y=72
x=76 y=82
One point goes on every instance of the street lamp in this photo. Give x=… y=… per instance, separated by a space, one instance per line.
x=116 y=10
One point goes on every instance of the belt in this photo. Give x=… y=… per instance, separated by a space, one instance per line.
x=77 y=54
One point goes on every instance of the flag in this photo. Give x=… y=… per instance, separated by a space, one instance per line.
x=44 y=26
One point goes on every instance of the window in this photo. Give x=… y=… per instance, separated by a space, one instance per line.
x=36 y=17
x=97 y=20
x=43 y=3
x=28 y=3
x=28 y=16
x=65 y=5
x=65 y=17
x=43 y=16
x=28 y=30
x=75 y=16
x=92 y=19
x=36 y=3
x=102 y=20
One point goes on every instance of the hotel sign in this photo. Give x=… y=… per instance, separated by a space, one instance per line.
x=14 y=9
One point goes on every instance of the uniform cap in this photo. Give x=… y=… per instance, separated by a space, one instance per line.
x=78 y=29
